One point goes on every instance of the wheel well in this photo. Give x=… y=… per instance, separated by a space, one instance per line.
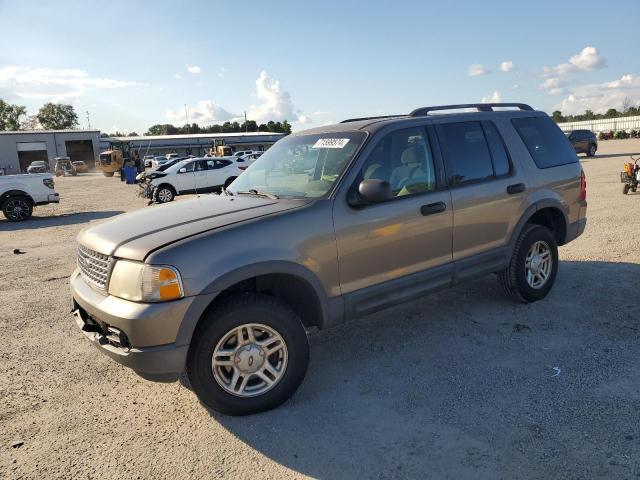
x=15 y=193
x=291 y=290
x=169 y=186
x=554 y=220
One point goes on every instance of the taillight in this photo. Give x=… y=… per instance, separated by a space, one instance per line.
x=48 y=182
x=583 y=187
x=242 y=168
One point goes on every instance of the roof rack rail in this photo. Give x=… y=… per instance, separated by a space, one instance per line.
x=372 y=118
x=481 y=107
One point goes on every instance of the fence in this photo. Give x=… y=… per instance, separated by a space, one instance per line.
x=603 y=124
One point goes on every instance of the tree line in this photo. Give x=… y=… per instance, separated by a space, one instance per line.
x=627 y=111
x=52 y=116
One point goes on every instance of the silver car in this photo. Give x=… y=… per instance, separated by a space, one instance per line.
x=328 y=225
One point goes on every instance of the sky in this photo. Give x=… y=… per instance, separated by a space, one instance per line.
x=132 y=64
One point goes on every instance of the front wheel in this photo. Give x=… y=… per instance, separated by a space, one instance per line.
x=533 y=266
x=164 y=194
x=17 y=209
x=248 y=355
x=592 y=151
x=625 y=189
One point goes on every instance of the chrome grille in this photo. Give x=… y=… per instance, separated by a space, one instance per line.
x=94 y=267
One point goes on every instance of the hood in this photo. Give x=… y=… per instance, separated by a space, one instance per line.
x=134 y=235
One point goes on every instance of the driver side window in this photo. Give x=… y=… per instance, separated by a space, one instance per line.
x=404 y=159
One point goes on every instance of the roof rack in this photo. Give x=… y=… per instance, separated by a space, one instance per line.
x=371 y=118
x=481 y=107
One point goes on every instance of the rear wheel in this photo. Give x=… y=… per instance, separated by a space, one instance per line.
x=592 y=151
x=164 y=194
x=248 y=355
x=625 y=189
x=17 y=209
x=533 y=266
x=108 y=174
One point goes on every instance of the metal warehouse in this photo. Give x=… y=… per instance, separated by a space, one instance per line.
x=18 y=149
x=193 y=144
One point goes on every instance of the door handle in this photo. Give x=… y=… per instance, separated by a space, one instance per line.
x=432 y=208
x=516 y=188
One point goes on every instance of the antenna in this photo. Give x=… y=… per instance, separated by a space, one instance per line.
x=88 y=120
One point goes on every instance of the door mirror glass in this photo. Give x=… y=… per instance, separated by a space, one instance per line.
x=375 y=190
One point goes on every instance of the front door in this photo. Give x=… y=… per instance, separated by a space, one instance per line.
x=388 y=251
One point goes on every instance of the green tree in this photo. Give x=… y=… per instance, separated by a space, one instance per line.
x=162 y=129
x=557 y=116
x=611 y=113
x=10 y=115
x=286 y=127
x=54 y=116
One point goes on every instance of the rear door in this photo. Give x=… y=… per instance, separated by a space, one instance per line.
x=486 y=192
x=218 y=171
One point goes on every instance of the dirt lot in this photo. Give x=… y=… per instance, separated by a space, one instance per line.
x=461 y=384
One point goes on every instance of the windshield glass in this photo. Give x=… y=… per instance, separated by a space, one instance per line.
x=300 y=166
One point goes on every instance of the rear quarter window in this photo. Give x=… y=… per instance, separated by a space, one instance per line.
x=545 y=141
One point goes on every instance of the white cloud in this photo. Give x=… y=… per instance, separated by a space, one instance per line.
x=222 y=72
x=275 y=103
x=477 y=70
x=54 y=85
x=61 y=77
x=588 y=59
x=494 y=97
x=178 y=76
x=506 y=67
x=599 y=97
x=205 y=111
x=553 y=86
x=195 y=69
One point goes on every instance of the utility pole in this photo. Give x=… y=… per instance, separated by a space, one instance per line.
x=186 y=114
x=246 y=127
x=88 y=120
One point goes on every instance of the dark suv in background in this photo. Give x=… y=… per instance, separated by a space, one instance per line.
x=584 y=141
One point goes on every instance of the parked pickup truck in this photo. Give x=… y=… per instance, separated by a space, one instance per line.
x=20 y=193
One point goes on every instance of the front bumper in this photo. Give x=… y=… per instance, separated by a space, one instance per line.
x=150 y=330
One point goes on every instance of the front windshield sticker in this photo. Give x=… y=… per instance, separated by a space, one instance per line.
x=331 y=143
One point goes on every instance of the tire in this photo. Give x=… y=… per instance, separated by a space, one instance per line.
x=592 y=151
x=17 y=209
x=108 y=174
x=260 y=311
x=164 y=194
x=625 y=189
x=514 y=280
x=228 y=182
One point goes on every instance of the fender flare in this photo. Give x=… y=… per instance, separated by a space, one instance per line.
x=528 y=213
x=209 y=293
x=15 y=193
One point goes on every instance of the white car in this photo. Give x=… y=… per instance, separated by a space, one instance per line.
x=242 y=153
x=194 y=175
x=20 y=193
x=148 y=159
x=158 y=161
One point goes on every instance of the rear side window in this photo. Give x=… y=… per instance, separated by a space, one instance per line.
x=465 y=150
x=501 y=163
x=546 y=143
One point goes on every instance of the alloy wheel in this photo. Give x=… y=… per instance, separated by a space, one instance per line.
x=17 y=210
x=249 y=360
x=538 y=264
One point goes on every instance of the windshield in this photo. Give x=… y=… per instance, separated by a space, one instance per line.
x=300 y=166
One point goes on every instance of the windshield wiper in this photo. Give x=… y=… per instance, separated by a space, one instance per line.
x=258 y=193
x=226 y=192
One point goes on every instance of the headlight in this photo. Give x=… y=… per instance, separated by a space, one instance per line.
x=140 y=282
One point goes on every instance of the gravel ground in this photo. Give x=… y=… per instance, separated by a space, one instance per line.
x=460 y=384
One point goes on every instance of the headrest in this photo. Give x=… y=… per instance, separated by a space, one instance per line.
x=411 y=155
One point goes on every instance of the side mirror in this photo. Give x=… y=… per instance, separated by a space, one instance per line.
x=182 y=170
x=371 y=191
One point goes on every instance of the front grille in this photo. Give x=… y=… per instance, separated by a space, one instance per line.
x=94 y=267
